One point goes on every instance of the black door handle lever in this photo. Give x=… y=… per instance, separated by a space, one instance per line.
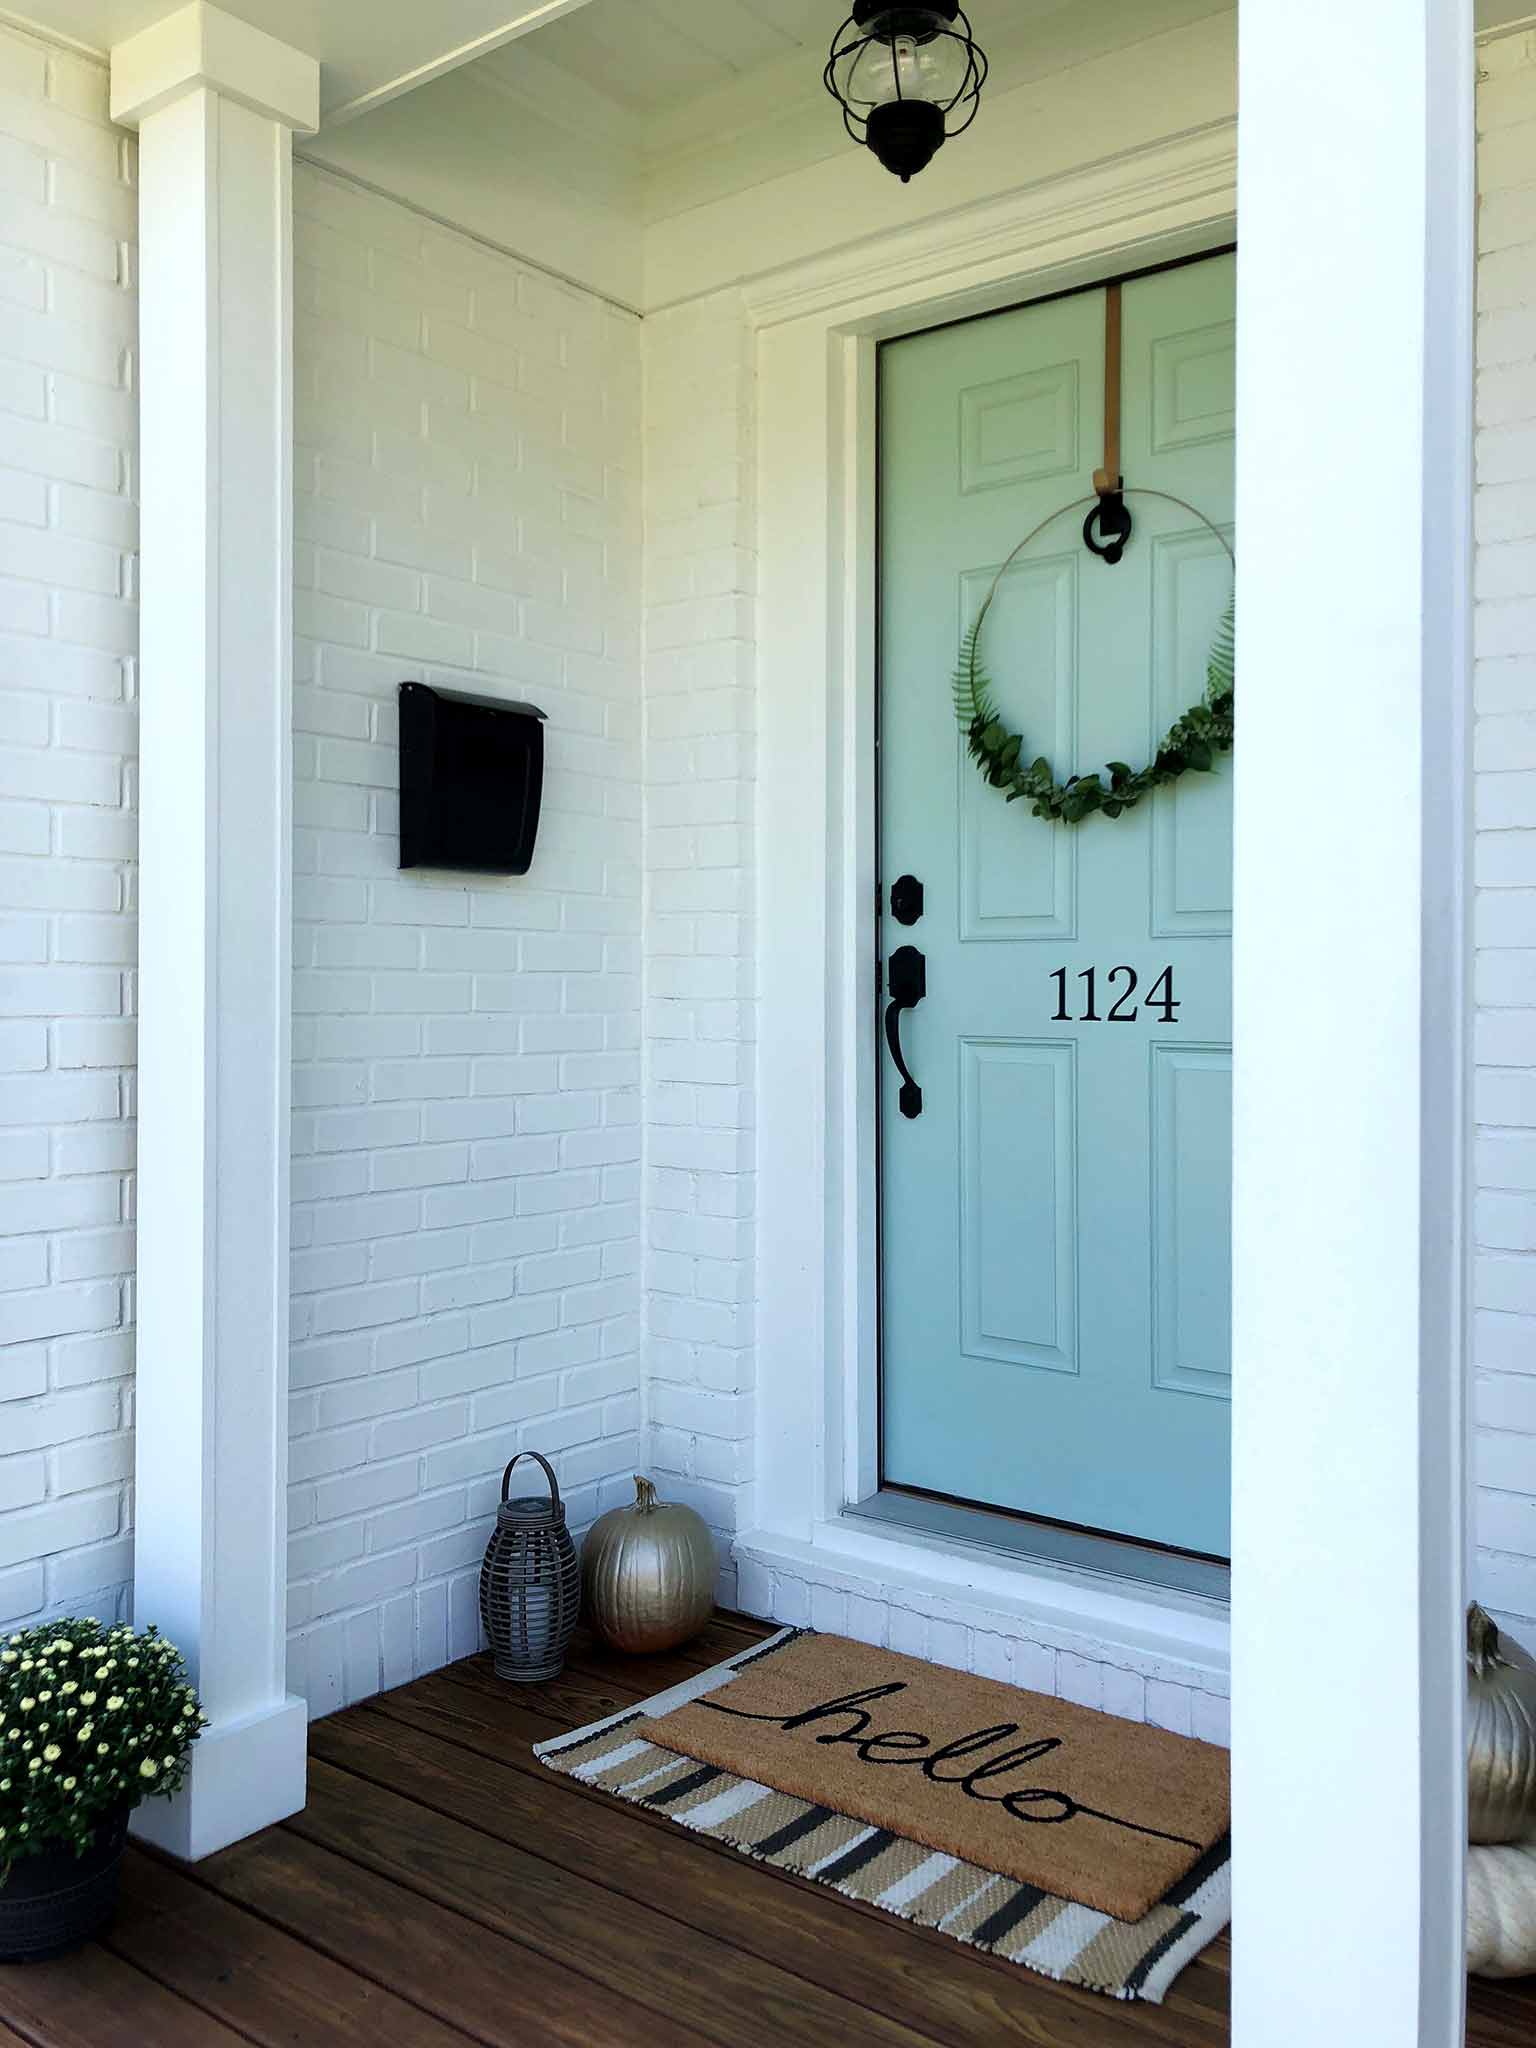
x=907 y=984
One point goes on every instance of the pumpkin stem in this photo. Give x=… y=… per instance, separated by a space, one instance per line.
x=1482 y=1641
x=645 y=1500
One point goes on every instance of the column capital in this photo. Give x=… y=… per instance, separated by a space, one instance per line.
x=201 y=46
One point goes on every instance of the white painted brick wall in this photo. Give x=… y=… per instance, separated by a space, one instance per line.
x=700 y=1027
x=469 y=1208
x=1504 y=1332
x=68 y=633
x=466 y=1223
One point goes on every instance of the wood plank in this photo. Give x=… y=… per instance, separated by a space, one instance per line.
x=637 y=1950
x=477 y=1983
x=273 y=1988
x=569 y=1701
x=1208 y=1992
x=911 y=1974
x=1501 y=2014
x=536 y=1711
x=720 y=1638
x=576 y=1697
x=92 y=1999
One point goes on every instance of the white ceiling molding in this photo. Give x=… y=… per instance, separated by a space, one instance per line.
x=522 y=23
x=1146 y=194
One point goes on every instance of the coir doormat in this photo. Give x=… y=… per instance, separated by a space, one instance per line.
x=1089 y=1849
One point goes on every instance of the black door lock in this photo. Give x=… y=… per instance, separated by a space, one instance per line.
x=906 y=899
x=906 y=980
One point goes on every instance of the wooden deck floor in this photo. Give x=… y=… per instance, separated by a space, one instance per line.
x=442 y=1888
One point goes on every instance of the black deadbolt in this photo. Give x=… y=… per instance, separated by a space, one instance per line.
x=906 y=899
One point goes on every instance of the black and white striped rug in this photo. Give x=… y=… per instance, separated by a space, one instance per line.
x=1054 y=1936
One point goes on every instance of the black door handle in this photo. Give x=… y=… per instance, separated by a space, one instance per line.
x=907 y=984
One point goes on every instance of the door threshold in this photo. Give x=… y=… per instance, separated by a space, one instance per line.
x=1079 y=1550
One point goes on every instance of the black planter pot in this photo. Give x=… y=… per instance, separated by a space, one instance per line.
x=55 y=1900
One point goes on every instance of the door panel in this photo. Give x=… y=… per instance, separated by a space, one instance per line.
x=1054 y=1226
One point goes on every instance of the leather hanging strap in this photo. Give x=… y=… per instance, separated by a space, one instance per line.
x=1108 y=526
x=1109 y=477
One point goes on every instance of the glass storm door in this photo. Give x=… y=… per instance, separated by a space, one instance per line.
x=1055 y=1224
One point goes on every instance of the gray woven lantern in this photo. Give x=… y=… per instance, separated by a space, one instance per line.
x=530 y=1583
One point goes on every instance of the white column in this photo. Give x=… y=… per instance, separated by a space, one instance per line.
x=1354 y=398
x=215 y=102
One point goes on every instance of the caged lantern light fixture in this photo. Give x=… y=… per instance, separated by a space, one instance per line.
x=906 y=78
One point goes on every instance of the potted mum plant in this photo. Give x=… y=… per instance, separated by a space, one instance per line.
x=92 y=1721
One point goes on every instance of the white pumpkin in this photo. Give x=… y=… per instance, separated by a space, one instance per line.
x=1501 y=1910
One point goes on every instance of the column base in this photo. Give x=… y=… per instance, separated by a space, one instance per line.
x=245 y=1775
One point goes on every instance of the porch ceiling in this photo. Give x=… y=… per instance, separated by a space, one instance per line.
x=370 y=51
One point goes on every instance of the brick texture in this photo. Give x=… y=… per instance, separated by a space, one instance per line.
x=68 y=633
x=700 y=1029
x=1504 y=1287
x=466 y=1150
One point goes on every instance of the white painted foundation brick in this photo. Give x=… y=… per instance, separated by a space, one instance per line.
x=1504 y=1288
x=466 y=1221
x=68 y=718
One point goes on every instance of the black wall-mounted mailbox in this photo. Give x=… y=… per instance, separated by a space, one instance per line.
x=471 y=774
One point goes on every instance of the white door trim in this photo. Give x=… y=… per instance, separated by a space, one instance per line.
x=818 y=330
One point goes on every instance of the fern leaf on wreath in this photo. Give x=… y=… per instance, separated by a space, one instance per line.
x=972 y=686
x=1221 y=669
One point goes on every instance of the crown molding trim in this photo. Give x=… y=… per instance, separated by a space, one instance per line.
x=1143 y=194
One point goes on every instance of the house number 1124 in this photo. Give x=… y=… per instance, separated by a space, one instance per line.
x=1123 y=1009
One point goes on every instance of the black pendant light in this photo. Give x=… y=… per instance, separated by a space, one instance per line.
x=906 y=79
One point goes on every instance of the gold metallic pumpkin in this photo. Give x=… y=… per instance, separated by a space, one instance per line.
x=648 y=1573
x=1501 y=1734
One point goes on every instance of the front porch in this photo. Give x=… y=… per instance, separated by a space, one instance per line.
x=442 y=1887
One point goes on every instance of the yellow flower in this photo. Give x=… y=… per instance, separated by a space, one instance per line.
x=27 y=1705
x=87 y=1699
x=52 y=1753
x=149 y=1768
x=69 y=1783
x=69 y=1686
x=7 y=1656
x=113 y=1703
x=101 y=1749
x=36 y=1764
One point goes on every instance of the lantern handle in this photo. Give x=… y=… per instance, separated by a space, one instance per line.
x=549 y=1474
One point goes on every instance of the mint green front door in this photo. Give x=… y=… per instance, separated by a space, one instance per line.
x=1055 y=1232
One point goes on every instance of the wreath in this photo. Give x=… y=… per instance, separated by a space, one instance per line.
x=1192 y=742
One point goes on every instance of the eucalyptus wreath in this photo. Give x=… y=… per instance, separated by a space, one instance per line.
x=1193 y=741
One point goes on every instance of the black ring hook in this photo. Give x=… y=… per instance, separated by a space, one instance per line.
x=1113 y=518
